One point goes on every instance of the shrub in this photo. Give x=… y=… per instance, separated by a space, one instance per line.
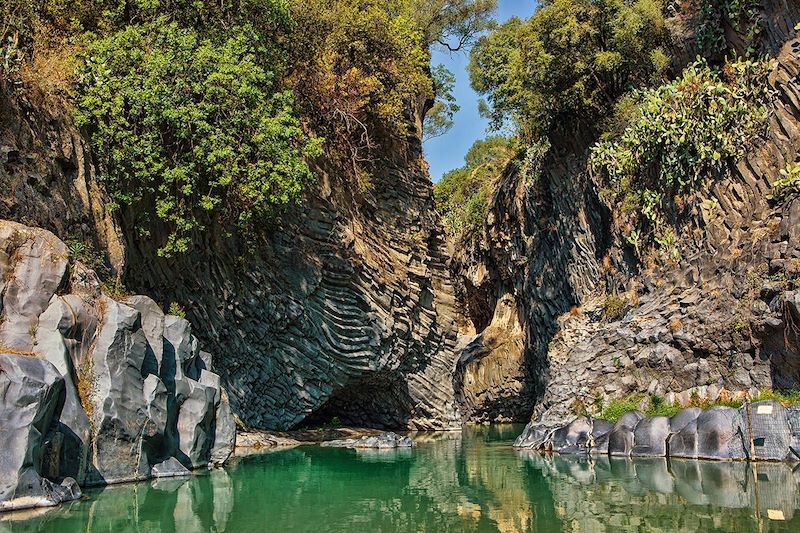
x=788 y=186
x=176 y=309
x=614 y=308
x=190 y=130
x=681 y=134
x=616 y=408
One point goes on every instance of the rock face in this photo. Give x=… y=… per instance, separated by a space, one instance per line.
x=94 y=390
x=761 y=431
x=32 y=391
x=717 y=317
x=342 y=309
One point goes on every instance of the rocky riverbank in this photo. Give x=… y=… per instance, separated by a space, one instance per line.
x=761 y=431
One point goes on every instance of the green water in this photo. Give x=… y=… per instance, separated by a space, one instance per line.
x=468 y=481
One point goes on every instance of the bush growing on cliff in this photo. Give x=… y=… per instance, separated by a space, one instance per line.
x=195 y=127
x=680 y=134
x=788 y=186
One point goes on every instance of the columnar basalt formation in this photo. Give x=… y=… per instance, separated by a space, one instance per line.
x=94 y=390
x=717 y=318
x=341 y=308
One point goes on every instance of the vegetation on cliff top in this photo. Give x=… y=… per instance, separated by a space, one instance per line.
x=602 y=67
x=207 y=113
x=462 y=194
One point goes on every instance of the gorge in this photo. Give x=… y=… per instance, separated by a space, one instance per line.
x=136 y=338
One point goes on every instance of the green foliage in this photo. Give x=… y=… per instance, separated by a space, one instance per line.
x=451 y=24
x=788 y=186
x=532 y=162
x=462 y=194
x=614 y=308
x=680 y=134
x=785 y=397
x=207 y=113
x=86 y=253
x=744 y=16
x=439 y=118
x=616 y=408
x=176 y=309
x=657 y=406
x=191 y=129
x=571 y=58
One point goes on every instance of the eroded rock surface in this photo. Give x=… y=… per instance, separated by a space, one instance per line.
x=95 y=390
x=761 y=431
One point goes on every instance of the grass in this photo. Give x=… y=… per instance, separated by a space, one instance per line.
x=16 y=351
x=656 y=405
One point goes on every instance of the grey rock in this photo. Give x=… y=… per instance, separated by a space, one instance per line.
x=769 y=429
x=195 y=422
x=650 y=437
x=718 y=433
x=793 y=415
x=125 y=435
x=224 y=431
x=389 y=440
x=620 y=439
x=32 y=265
x=170 y=468
x=31 y=391
x=575 y=437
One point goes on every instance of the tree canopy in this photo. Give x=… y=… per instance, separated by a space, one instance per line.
x=571 y=58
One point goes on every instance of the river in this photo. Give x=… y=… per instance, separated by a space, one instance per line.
x=464 y=481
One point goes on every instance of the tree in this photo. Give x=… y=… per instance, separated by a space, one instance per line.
x=571 y=58
x=439 y=118
x=453 y=24
x=462 y=194
x=190 y=129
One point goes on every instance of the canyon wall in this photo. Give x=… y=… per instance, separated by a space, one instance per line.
x=719 y=315
x=343 y=308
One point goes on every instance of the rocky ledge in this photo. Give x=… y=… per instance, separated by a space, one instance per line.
x=387 y=440
x=94 y=390
x=761 y=431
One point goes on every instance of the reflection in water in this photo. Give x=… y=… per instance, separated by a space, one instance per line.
x=469 y=481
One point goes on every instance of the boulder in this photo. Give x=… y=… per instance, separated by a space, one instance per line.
x=32 y=393
x=769 y=430
x=120 y=410
x=224 y=431
x=32 y=266
x=718 y=433
x=575 y=437
x=65 y=329
x=620 y=439
x=650 y=437
x=195 y=421
x=536 y=436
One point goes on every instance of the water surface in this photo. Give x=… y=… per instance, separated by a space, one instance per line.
x=468 y=481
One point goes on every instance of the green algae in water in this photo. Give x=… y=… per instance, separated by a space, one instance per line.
x=468 y=481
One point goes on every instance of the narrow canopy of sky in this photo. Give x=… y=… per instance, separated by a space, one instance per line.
x=447 y=152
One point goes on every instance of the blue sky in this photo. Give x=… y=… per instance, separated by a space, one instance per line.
x=447 y=152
